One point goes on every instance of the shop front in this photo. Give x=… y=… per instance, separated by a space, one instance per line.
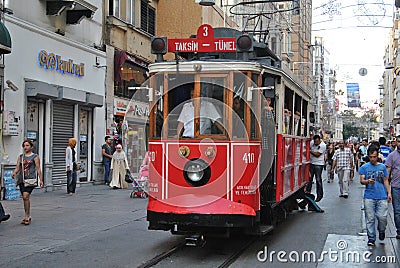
x=134 y=117
x=61 y=96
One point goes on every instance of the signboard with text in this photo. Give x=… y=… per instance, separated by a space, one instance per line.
x=205 y=42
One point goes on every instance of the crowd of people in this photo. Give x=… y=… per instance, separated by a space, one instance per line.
x=378 y=165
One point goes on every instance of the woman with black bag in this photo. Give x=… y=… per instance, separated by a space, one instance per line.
x=26 y=173
x=71 y=165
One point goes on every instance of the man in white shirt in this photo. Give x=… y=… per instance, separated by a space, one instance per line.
x=208 y=116
x=317 y=151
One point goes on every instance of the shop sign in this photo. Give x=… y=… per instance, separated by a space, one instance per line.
x=51 y=61
x=131 y=108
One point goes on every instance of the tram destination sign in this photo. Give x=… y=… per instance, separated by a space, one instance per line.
x=205 y=42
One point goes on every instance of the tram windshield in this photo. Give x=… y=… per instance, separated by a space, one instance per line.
x=202 y=106
x=196 y=108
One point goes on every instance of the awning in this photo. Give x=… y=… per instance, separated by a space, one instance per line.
x=5 y=40
x=42 y=90
x=121 y=56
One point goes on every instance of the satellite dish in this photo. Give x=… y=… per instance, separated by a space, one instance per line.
x=363 y=71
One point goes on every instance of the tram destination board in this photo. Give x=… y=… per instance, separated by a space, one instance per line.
x=205 y=42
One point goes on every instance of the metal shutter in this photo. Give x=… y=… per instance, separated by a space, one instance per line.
x=63 y=129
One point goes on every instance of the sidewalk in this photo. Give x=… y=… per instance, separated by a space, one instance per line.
x=61 y=221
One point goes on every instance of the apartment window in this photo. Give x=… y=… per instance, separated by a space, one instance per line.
x=130 y=11
x=114 y=8
x=147 y=18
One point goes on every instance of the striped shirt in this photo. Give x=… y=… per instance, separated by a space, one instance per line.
x=343 y=158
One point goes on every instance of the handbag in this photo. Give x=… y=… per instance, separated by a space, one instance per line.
x=128 y=177
x=28 y=181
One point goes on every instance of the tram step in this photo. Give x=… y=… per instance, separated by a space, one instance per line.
x=261 y=229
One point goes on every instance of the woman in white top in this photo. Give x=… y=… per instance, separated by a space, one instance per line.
x=119 y=167
x=71 y=166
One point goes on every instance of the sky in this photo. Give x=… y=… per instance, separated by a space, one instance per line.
x=355 y=32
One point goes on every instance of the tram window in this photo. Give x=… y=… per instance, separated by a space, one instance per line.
x=297 y=115
x=254 y=120
x=304 y=125
x=238 y=126
x=288 y=107
x=212 y=105
x=159 y=105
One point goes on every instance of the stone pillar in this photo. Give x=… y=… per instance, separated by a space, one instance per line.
x=48 y=177
x=98 y=173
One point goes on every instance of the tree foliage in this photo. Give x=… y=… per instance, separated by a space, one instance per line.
x=356 y=126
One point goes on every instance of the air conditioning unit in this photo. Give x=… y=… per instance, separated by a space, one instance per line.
x=281 y=6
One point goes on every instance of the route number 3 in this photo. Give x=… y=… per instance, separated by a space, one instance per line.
x=248 y=158
x=205 y=31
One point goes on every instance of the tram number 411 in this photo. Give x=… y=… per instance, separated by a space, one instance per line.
x=248 y=158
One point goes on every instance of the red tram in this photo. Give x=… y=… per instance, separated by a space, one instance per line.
x=228 y=139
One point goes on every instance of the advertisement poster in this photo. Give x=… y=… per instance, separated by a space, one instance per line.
x=353 y=95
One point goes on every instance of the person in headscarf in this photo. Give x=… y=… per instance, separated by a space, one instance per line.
x=119 y=168
x=71 y=165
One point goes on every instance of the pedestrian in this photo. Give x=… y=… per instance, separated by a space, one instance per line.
x=362 y=152
x=317 y=151
x=71 y=165
x=329 y=161
x=3 y=215
x=376 y=195
x=384 y=149
x=119 y=168
x=28 y=166
x=355 y=159
x=107 y=152
x=393 y=167
x=343 y=164
x=393 y=144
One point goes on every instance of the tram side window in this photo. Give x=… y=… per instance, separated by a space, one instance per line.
x=297 y=116
x=287 y=115
x=304 y=119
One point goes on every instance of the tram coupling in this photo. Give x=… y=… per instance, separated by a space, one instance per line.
x=195 y=240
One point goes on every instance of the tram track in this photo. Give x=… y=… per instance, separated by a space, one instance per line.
x=233 y=254
x=160 y=257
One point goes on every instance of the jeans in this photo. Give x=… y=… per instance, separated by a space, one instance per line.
x=71 y=181
x=375 y=208
x=317 y=171
x=396 y=207
x=329 y=174
x=344 y=176
x=107 y=166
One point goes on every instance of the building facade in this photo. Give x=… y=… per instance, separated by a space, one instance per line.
x=55 y=66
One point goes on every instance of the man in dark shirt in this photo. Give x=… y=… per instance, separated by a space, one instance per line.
x=107 y=152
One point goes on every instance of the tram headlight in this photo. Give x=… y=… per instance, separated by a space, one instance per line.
x=244 y=43
x=197 y=172
x=158 y=45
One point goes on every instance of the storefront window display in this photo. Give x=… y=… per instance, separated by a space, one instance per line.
x=132 y=76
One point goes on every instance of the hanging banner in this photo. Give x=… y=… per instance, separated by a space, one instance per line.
x=353 y=95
